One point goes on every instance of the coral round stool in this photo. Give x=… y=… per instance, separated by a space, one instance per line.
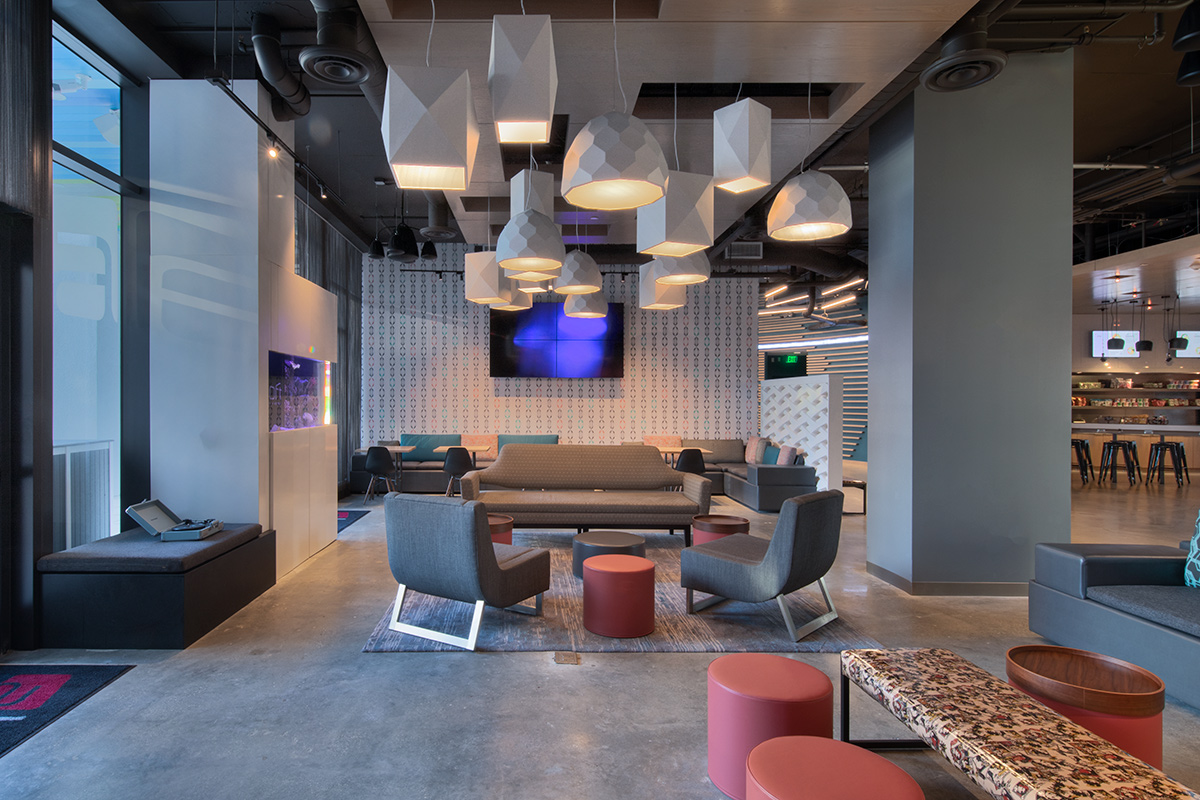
x=753 y=697
x=815 y=768
x=618 y=595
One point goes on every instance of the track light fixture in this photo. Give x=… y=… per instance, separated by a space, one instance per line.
x=273 y=148
x=324 y=196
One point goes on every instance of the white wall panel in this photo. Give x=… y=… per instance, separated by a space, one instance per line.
x=291 y=471
x=807 y=413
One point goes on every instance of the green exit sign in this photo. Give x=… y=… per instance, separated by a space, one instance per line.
x=792 y=359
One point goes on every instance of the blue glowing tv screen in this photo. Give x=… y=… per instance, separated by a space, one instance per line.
x=543 y=342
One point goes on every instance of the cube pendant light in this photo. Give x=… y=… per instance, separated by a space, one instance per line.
x=430 y=134
x=658 y=296
x=586 y=306
x=742 y=146
x=614 y=163
x=681 y=221
x=580 y=275
x=532 y=287
x=812 y=205
x=484 y=281
x=694 y=268
x=522 y=77
x=520 y=302
x=531 y=247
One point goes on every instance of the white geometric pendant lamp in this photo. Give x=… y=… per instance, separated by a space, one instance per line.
x=531 y=247
x=812 y=205
x=742 y=146
x=532 y=287
x=580 y=275
x=586 y=306
x=681 y=221
x=658 y=296
x=694 y=268
x=614 y=163
x=520 y=302
x=430 y=134
x=484 y=281
x=522 y=77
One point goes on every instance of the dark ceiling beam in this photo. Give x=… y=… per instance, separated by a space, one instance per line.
x=121 y=42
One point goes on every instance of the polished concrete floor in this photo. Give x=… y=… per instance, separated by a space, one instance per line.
x=279 y=702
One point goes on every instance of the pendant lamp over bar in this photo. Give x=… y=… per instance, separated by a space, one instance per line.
x=484 y=281
x=614 y=163
x=430 y=133
x=742 y=146
x=532 y=287
x=522 y=78
x=693 y=268
x=658 y=296
x=681 y=221
x=580 y=275
x=520 y=302
x=531 y=247
x=586 y=306
x=812 y=205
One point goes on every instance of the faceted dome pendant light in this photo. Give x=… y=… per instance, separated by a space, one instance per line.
x=694 y=268
x=812 y=205
x=681 y=221
x=614 y=163
x=658 y=296
x=484 y=281
x=531 y=247
x=742 y=146
x=580 y=275
x=430 y=134
x=586 y=306
x=522 y=77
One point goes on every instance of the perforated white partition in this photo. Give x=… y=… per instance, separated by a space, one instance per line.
x=807 y=413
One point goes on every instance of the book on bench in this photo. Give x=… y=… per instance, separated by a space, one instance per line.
x=158 y=520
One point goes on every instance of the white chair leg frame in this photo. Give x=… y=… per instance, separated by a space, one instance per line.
x=796 y=633
x=465 y=642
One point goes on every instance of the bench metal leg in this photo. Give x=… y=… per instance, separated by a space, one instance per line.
x=871 y=744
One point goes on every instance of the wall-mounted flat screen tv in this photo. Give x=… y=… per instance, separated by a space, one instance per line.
x=1193 y=348
x=1100 y=344
x=543 y=342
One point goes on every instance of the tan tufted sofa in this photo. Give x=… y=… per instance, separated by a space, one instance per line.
x=555 y=486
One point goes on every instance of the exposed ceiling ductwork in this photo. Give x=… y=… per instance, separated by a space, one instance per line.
x=803 y=257
x=966 y=61
x=437 y=223
x=292 y=98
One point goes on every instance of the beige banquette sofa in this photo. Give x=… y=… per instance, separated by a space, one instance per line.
x=588 y=486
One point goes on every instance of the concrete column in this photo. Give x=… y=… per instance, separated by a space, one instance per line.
x=970 y=346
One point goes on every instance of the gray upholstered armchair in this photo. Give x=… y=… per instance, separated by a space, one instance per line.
x=442 y=546
x=755 y=570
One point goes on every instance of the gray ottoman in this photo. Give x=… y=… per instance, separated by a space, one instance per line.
x=599 y=543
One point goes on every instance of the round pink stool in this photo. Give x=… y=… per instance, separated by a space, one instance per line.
x=753 y=697
x=618 y=595
x=816 y=768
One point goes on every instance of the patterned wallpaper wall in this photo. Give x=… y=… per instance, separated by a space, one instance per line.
x=692 y=371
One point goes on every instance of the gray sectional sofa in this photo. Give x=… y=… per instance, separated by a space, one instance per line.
x=588 y=486
x=421 y=470
x=762 y=487
x=1126 y=601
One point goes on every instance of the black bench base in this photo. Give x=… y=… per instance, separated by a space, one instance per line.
x=108 y=610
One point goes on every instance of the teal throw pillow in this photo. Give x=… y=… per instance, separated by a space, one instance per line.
x=770 y=455
x=1191 y=570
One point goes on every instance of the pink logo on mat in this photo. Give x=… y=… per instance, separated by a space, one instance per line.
x=27 y=692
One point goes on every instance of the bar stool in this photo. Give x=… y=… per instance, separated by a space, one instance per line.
x=1158 y=451
x=1083 y=458
x=1127 y=448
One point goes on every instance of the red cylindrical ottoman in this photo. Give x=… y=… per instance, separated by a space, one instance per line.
x=815 y=768
x=501 y=526
x=710 y=527
x=618 y=595
x=753 y=697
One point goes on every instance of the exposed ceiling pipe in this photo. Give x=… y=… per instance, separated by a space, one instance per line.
x=293 y=99
x=437 y=222
x=808 y=257
x=1083 y=39
x=966 y=60
x=1033 y=9
x=375 y=83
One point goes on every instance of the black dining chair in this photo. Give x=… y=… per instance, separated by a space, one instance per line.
x=458 y=463
x=380 y=466
x=690 y=460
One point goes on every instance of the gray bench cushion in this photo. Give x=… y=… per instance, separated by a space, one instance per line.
x=582 y=502
x=1175 y=607
x=736 y=469
x=138 y=552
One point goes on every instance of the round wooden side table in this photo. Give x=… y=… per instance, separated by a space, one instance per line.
x=501 y=526
x=710 y=527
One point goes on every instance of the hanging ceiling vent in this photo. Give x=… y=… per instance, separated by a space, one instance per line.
x=335 y=58
x=744 y=251
x=965 y=61
x=437 y=225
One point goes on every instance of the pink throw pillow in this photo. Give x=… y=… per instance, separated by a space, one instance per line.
x=756 y=446
x=787 y=455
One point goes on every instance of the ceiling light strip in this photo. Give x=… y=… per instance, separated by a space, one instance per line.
x=820 y=343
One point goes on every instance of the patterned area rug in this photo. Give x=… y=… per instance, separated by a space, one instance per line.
x=34 y=695
x=348 y=518
x=726 y=628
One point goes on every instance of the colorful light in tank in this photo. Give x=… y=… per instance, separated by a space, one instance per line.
x=328 y=394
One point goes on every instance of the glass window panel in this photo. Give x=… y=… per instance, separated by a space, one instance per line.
x=87 y=359
x=87 y=108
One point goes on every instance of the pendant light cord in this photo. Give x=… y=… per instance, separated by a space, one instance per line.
x=739 y=94
x=808 y=136
x=432 y=19
x=617 y=64
x=675 y=131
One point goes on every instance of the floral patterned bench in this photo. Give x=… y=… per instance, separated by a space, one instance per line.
x=1013 y=747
